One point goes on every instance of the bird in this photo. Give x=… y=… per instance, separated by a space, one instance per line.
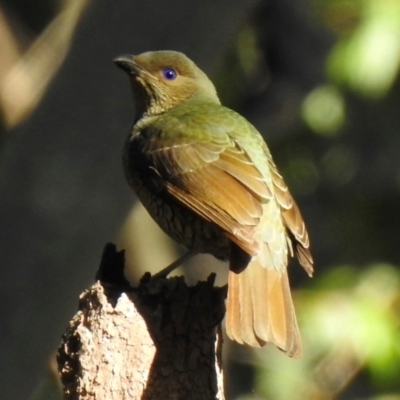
x=206 y=176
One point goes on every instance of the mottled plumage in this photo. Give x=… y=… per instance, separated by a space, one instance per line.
x=206 y=176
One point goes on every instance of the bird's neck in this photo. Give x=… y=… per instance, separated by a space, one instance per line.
x=151 y=107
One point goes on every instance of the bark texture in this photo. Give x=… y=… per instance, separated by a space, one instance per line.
x=160 y=340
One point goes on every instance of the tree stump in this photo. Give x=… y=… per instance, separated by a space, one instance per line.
x=160 y=340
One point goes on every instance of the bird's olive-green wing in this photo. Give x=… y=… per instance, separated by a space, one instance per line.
x=202 y=165
x=217 y=164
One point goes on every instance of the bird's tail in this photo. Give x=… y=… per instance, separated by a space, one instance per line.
x=260 y=308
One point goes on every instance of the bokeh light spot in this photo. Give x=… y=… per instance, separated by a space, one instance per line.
x=324 y=110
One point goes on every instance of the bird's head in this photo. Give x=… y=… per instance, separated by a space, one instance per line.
x=161 y=80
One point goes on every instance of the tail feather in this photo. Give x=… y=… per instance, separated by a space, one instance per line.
x=260 y=309
x=233 y=324
x=246 y=310
x=258 y=299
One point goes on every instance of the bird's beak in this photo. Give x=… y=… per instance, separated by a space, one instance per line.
x=126 y=63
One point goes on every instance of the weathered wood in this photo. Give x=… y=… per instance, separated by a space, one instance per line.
x=160 y=340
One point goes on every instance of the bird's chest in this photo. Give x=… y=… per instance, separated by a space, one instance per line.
x=175 y=219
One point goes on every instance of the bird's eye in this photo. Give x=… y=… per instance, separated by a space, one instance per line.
x=169 y=74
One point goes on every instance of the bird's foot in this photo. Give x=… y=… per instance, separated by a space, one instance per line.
x=167 y=270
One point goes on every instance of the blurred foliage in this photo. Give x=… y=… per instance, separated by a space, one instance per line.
x=28 y=65
x=367 y=60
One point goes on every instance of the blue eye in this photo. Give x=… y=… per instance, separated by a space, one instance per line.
x=169 y=74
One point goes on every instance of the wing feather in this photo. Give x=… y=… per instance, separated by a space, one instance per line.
x=217 y=180
x=293 y=220
x=216 y=171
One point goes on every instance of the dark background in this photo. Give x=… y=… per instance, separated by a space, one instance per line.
x=311 y=76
